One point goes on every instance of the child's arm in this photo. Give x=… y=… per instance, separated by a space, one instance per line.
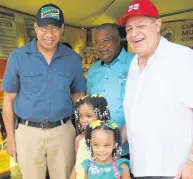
x=85 y=165
x=85 y=176
x=73 y=174
x=126 y=173
x=76 y=143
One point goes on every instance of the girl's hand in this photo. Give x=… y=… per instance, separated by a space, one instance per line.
x=86 y=176
x=73 y=174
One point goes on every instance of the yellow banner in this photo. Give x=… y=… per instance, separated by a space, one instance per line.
x=180 y=32
x=89 y=57
x=4 y=157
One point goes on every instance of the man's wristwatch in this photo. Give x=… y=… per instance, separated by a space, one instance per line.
x=191 y=158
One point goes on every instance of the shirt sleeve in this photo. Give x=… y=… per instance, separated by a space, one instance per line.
x=184 y=76
x=121 y=161
x=11 y=76
x=85 y=165
x=78 y=85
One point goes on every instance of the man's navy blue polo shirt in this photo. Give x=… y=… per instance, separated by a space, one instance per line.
x=44 y=90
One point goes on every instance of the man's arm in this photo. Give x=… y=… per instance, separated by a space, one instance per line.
x=78 y=85
x=8 y=118
x=184 y=88
x=186 y=171
x=124 y=134
x=75 y=96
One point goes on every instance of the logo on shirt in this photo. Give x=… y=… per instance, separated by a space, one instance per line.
x=123 y=75
x=98 y=170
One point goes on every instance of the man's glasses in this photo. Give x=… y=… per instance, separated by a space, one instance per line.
x=45 y=29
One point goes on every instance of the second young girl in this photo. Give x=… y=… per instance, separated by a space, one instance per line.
x=87 y=110
x=103 y=139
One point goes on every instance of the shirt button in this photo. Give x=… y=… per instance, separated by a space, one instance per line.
x=107 y=78
x=49 y=86
x=49 y=71
x=48 y=102
x=103 y=90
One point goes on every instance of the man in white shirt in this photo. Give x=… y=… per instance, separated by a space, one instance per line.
x=158 y=101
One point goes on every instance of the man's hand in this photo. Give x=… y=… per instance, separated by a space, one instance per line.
x=186 y=171
x=11 y=148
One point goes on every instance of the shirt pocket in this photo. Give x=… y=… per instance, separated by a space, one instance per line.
x=31 y=81
x=64 y=80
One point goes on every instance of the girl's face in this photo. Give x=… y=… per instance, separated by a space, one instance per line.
x=86 y=115
x=102 y=143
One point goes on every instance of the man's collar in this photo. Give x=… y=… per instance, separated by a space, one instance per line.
x=61 y=50
x=161 y=46
x=120 y=57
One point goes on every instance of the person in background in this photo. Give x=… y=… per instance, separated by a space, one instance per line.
x=158 y=102
x=108 y=75
x=41 y=82
x=67 y=44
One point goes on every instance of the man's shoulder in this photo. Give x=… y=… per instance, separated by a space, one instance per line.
x=183 y=54
x=172 y=47
x=129 y=57
x=173 y=53
x=180 y=48
x=129 y=54
x=95 y=66
x=68 y=51
x=92 y=70
x=126 y=56
x=20 y=50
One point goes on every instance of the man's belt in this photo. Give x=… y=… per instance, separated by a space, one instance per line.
x=43 y=125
